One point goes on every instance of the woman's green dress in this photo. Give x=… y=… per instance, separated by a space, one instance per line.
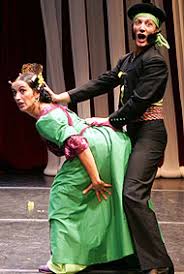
x=82 y=230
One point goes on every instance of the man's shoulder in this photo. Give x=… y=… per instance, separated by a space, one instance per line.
x=153 y=53
x=125 y=57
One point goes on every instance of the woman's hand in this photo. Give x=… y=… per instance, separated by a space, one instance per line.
x=100 y=188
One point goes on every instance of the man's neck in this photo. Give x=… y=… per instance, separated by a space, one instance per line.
x=138 y=50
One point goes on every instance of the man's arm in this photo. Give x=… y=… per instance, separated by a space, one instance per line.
x=104 y=83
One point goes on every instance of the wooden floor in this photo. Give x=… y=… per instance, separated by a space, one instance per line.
x=24 y=235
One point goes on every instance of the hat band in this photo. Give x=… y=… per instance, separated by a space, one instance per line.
x=150 y=16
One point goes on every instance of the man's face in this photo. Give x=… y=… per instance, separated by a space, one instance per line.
x=142 y=27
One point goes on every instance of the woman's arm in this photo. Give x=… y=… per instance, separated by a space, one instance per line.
x=54 y=128
x=77 y=145
x=100 y=187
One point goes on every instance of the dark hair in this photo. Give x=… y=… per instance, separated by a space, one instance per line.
x=33 y=81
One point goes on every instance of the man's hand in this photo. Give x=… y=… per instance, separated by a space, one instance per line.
x=57 y=98
x=100 y=188
x=97 y=121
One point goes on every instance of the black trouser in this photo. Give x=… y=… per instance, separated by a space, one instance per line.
x=149 y=139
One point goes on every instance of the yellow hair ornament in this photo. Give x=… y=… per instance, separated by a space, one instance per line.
x=35 y=68
x=40 y=79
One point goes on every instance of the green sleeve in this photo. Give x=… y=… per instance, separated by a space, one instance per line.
x=54 y=127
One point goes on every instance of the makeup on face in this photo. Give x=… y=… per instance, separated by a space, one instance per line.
x=142 y=28
x=24 y=96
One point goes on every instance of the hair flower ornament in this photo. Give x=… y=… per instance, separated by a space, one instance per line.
x=37 y=69
x=40 y=79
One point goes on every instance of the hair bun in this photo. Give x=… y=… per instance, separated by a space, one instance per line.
x=32 y=67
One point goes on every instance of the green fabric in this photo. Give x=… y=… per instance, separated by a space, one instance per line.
x=150 y=16
x=55 y=130
x=65 y=268
x=150 y=205
x=82 y=230
x=160 y=41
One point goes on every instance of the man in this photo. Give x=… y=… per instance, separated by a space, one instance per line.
x=142 y=76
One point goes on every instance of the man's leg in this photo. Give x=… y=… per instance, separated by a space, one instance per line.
x=142 y=168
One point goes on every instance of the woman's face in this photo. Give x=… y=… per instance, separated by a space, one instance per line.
x=142 y=27
x=24 y=96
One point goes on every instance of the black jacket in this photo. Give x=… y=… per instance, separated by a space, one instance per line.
x=144 y=79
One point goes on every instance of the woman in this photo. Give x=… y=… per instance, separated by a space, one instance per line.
x=84 y=229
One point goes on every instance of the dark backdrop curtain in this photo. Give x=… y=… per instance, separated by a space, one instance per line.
x=22 y=41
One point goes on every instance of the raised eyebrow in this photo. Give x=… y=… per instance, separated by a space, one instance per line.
x=136 y=20
x=149 y=21
x=21 y=87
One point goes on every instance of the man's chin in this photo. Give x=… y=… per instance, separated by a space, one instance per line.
x=141 y=44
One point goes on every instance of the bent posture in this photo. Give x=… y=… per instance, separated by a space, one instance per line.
x=84 y=228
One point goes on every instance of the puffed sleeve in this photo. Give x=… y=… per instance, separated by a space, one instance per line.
x=74 y=145
x=54 y=127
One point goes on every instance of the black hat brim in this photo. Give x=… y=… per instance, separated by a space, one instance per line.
x=146 y=8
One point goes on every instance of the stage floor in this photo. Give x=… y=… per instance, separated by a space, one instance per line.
x=24 y=235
